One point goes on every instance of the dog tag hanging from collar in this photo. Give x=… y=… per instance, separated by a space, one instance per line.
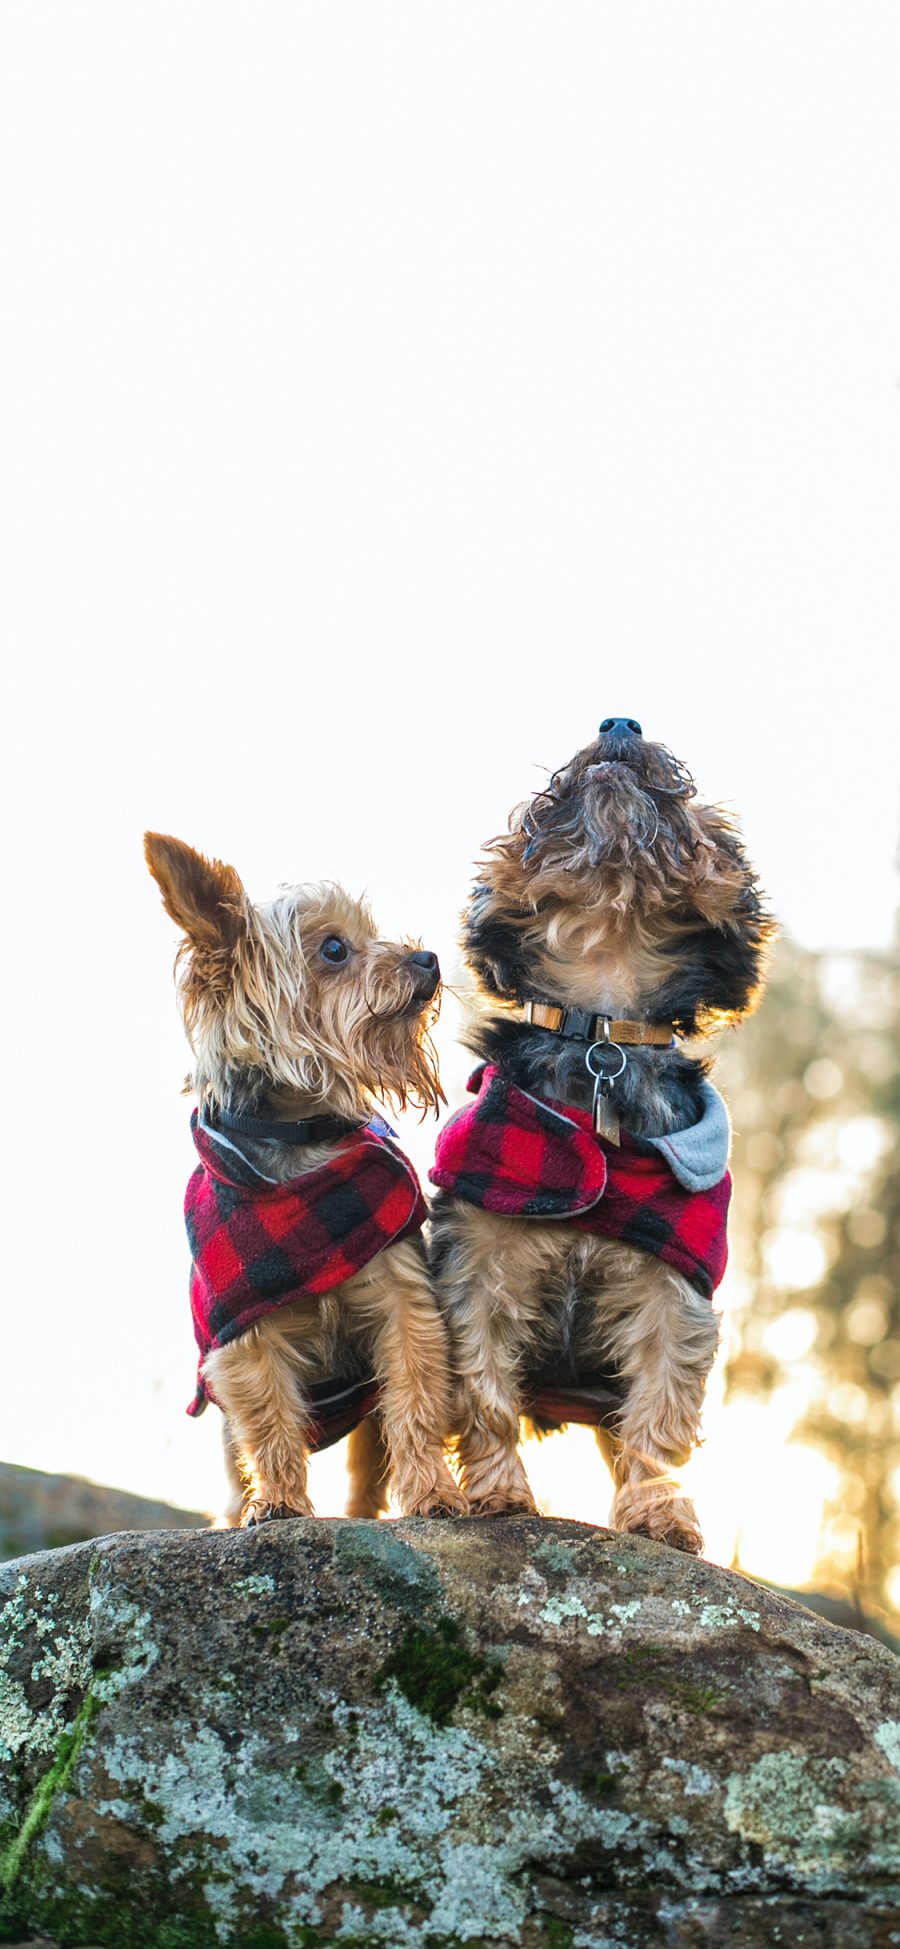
x=606 y=1116
x=600 y=1062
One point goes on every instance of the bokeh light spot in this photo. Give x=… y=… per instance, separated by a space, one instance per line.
x=867 y=1228
x=794 y=1260
x=865 y=1322
x=823 y=1079
x=791 y=1335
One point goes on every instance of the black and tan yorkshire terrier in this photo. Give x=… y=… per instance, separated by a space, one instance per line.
x=579 y=1228
x=304 y=1217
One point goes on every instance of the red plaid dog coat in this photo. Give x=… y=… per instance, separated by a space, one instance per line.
x=257 y=1245
x=512 y=1153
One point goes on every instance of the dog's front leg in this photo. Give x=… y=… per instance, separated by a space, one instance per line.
x=393 y=1298
x=663 y=1336
x=257 y=1380
x=482 y=1279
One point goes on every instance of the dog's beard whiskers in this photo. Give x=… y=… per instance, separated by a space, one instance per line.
x=606 y=849
x=404 y=1011
x=577 y=800
x=388 y=1049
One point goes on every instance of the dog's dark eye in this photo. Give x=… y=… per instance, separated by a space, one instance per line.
x=333 y=949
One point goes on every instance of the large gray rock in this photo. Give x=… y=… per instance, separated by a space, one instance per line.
x=431 y=1734
x=44 y=1512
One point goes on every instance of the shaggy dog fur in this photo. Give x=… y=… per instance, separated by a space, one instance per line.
x=293 y=1010
x=616 y=892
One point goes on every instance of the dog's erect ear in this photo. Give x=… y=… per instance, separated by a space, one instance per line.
x=721 y=967
x=203 y=896
x=493 y=945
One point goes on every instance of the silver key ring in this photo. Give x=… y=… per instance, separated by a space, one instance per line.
x=598 y=1049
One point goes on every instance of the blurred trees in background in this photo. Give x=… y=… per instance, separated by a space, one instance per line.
x=813 y=1083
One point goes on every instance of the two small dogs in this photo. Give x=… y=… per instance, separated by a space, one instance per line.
x=579 y=1219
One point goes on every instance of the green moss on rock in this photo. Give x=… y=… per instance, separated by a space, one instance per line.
x=436 y=1672
x=52 y=1782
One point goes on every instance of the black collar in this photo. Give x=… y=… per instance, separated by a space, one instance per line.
x=309 y=1130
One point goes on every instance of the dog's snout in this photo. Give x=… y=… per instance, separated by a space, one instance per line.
x=426 y=971
x=621 y=727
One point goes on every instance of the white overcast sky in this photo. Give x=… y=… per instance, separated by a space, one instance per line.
x=390 y=391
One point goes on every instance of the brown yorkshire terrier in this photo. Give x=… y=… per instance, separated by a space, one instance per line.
x=304 y=1217
x=579 y=1230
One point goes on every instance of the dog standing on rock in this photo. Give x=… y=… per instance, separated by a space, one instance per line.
x=580 y=1221
x=304 y=1217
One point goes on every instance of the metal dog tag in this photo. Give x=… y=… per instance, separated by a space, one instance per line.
x=606 y=1116
x=598 y=1062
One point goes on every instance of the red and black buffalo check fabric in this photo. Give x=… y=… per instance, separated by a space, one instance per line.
x=512 y=1153
x=256 y=1245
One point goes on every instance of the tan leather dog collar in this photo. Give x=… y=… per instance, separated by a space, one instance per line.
x=586 y=1027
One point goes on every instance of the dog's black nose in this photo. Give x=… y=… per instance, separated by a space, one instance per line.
x=426 y=973
x=627 y=726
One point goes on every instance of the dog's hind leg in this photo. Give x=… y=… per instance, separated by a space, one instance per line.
x=234 y=1506
x=393 y=1298
x=663 y=1336
x=369 y=1468
x=258 y=1382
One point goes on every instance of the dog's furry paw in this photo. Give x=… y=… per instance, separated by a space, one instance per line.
x=678 y=1536
x=690 y=1541
x=670 y=1519
x=515 y=1504
x=258 y=1513
x=682 y=1530
x=443 y=1499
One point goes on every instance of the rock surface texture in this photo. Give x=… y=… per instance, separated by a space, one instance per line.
x=430 y=1734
